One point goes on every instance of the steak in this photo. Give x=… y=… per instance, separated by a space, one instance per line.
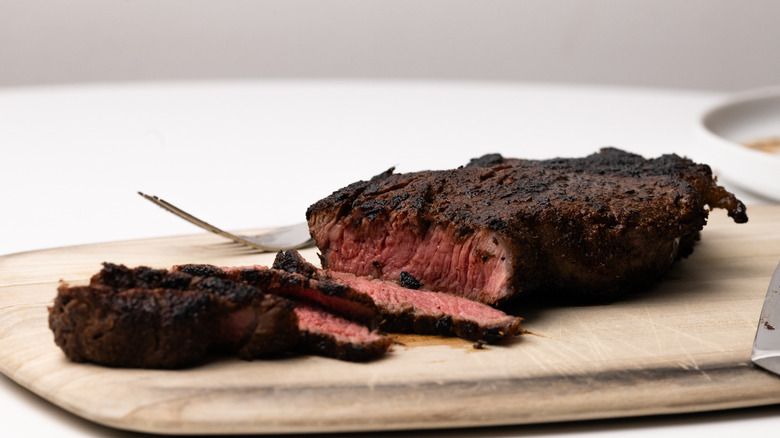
x=597 y=226
x=404 y=310
x=147 y=318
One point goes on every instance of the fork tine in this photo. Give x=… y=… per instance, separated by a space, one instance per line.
x=203 y=224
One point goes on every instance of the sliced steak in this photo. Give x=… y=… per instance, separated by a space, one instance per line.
x=334 y=320
x=338 y=298
x=151 y=319
x=404 y=310
x=595 y=226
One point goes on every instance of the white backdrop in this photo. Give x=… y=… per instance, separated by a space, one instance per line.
x=713 y=45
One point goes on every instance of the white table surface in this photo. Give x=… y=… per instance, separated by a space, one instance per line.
x=250 y=154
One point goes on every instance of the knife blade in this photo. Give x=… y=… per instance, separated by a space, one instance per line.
x=766 y=347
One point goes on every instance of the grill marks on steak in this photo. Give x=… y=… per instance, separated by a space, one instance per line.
x=599 y=225
x=149 y=318
x=404 y=310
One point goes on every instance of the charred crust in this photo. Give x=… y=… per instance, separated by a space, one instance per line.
x=332 y=289
x=373 y=208
x=739 y=213
x=383 y=175
x=175 y=280
x=238 y=293
x=444 y=324
x=417 y=202
x=292 y=261
x=185 y=308
x=464 y=231
x=497 y=224
x=255 y=277
x=488 y=160
x=397 y=199
x=344 y=198
x=492 y=334
x=408 y=281
x=315 y=343
x=408 y=322
x=114 y=275
x=199 y=270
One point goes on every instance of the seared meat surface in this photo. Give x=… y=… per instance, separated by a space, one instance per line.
x=616 y=162
x=596 y=226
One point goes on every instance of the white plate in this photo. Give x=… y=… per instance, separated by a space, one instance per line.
x=745 y=117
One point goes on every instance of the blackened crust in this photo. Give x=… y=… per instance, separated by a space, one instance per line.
x=322 y=344
x=612 y=161
x=421 y=324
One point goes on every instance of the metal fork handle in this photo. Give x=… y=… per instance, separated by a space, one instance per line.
x=203 y=224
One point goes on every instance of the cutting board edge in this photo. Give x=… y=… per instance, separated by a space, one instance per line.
x=577 y=405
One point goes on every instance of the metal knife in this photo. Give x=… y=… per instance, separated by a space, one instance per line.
x=766 y=347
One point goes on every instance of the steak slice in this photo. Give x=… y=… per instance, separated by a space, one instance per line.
x=404 y=310
x=588 y=227
x=338 y=298
x=326 y=334
x=147 y=318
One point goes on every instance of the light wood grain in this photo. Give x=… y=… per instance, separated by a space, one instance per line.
x=682 y=346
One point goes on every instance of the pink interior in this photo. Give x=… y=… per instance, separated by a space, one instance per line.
x=316 y=320
x=475 y=266
x=340 y=305
x=395 y=297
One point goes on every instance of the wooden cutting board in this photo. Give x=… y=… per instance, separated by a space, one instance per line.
x=682 y=346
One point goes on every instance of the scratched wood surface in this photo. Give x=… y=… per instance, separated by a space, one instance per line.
x=682 y=346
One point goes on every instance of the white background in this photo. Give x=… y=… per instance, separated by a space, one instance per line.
x=702 y=44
